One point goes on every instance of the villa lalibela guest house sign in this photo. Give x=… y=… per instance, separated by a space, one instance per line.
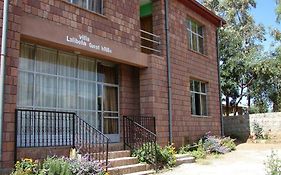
x=84 y=40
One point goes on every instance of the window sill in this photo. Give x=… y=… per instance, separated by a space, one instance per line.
x=201 y=54
x=200 y=116
x=81 y=8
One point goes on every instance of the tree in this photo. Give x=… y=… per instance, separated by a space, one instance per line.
x=238 y=45
x=267 y=87
x=278 y=10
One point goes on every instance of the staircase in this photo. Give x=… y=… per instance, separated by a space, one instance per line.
x=121 y=163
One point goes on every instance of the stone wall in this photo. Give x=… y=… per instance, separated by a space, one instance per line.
x=242 y=126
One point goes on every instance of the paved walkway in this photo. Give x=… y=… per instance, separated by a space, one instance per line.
x=248 y=159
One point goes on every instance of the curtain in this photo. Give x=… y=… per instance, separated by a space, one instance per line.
x=45 y=85
x=25 y=79
x=110 y=98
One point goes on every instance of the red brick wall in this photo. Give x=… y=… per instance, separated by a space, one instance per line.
x=13 y=44
x=120 y=22
x=185 y=65
x=142 y=91
x=41 y=153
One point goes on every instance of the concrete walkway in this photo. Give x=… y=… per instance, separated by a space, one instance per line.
x=248 y=159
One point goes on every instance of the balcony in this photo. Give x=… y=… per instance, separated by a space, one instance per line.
x=150 y=43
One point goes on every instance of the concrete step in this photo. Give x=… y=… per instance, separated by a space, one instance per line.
x=184 y=158
x=119 y=154
x=127 y=169
x=142 y=173
x=122 y=161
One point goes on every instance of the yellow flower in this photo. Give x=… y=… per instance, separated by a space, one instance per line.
x=28 y=160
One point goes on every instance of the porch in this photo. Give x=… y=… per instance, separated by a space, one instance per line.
x=41 y=133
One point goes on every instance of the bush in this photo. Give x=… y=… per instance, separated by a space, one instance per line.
x=228 y=143
x=209 y=144
x=273 y=164
x=165 y=156
x=258 y=130
x=59 y=166
x=85 y=166
x=26 y=167
x=56 y=166
x=200 y=152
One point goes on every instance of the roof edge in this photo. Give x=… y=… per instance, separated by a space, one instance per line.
x=204 y=12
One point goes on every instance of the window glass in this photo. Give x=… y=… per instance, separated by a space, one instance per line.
x=107 y=73
x=25 y=89
x=86 y=95
x=67 y=64
x=87 y=69
x=195 y=36
x=110 y=98
x=46 y=60
x=26 y=57
x=67 y=93
x=93 y=5
x=45 y=91
x=199 y=98
x=62 y=81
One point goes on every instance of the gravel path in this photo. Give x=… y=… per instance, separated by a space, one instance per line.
x=248 y=159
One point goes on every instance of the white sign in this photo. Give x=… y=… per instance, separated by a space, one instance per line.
x=84 y=40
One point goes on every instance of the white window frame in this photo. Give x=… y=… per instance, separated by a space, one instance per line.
x=88 y=8
x=193 y=103
x=196 y=33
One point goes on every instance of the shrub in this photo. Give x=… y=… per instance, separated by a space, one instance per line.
x=60 y=166
x=57 y=166
x=258 y=130
x=209 y=144
x=200 y=152
x=212 y=144
x=165 y=156
x=85 y=166
x=26 y=167
x=228 y=143
x=273 y=164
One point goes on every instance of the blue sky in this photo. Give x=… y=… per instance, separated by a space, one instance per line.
x=265 y=14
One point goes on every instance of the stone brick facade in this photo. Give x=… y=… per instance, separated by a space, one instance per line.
x=143 y=85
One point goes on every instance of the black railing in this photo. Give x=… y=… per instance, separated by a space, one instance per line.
x=38 y=128
x=137 y=136
x=146 y=121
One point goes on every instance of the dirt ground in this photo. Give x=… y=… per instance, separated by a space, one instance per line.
x=248 y=159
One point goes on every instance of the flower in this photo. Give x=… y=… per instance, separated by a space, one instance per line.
x=28 y=160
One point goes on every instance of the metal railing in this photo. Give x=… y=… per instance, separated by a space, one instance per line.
x=150 y=43
x=38 y=128
x=137 y=136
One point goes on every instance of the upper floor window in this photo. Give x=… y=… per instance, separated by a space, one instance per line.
x=195 y=36
x=198 y=90
x=93 y=5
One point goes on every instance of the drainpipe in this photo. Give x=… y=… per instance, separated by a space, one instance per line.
x=2 y=67
x=219 y=79
x=168 y=58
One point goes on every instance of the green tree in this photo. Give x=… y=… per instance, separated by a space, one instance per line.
x=238 y=45
x=267 y=87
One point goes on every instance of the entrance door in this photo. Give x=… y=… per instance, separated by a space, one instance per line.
x=108 y=107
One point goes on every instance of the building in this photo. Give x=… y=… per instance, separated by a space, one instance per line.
x=104 y=59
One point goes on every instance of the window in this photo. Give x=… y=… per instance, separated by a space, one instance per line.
x=61 y=81
x=195 y=36
x=198 y=91
x=93 y=5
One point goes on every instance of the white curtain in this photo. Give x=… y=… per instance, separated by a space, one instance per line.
x=45 y=83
